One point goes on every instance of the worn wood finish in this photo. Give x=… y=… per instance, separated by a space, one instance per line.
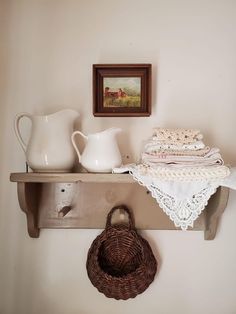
x=215 y=209
x=96 y=195
x=93 y=202
x=29 y=196
x=71 y=177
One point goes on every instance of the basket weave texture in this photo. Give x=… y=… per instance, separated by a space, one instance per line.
x=120 y=263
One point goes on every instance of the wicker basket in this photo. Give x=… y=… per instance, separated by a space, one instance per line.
x=120 y=262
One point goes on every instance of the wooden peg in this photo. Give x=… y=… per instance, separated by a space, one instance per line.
x=65 y=210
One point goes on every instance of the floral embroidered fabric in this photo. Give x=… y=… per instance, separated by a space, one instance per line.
x=177 y=136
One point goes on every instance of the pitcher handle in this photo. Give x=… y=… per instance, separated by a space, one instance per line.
x=74 y=144
x=17 y=128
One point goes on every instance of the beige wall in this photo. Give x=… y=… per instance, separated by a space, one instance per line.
x=47 y=50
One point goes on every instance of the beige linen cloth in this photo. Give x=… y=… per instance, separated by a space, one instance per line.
x=213 y=157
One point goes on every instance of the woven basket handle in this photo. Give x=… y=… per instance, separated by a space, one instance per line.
x=126 y=209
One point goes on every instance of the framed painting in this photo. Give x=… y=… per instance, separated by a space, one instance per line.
x=121 y=90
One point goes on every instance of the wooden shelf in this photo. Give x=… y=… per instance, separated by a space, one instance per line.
x=71 y=177
x=96 y=195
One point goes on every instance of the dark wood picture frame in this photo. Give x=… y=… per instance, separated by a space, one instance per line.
x=139 y=72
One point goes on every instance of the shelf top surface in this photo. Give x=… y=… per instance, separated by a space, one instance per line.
x=71 y=177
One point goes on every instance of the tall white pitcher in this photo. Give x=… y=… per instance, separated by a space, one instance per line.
x=49 y=148
x=101 y=153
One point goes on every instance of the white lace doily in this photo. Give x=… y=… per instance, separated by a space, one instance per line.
x=183 y=201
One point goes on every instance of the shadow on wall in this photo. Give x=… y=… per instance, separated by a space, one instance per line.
x=154 y=97
x=155 y=250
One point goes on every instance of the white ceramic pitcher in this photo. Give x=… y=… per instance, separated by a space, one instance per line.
x=101 y=153
x=49 y=148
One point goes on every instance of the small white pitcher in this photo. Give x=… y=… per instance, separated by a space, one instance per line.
x=49 y=148
x=101 y=153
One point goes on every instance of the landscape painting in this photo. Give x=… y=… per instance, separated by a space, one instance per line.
x=124 y=92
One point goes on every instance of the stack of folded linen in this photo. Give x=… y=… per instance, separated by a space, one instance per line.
x=181 y=153
x=183 y=147
x=180 y=172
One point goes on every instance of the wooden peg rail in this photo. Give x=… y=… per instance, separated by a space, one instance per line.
x=95 y=195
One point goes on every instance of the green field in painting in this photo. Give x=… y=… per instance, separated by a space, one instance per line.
x=128 y=101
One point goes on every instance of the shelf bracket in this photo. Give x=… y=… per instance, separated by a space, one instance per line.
x=215 y=209
x=29 y=196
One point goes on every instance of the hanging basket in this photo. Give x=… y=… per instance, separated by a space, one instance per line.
x=120 y=263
